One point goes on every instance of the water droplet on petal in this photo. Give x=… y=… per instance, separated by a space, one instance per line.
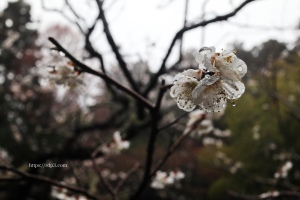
x=240 y=68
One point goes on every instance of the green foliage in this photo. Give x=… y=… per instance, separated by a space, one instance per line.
x=264 y=124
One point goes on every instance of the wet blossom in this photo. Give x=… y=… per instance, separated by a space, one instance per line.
x=184 y=84
x=219 y=79
x=222 y=80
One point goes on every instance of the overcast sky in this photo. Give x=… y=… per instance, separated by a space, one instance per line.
x=137 y=24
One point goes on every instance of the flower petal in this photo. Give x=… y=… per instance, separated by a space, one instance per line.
x=240 y=67
x=233 y=90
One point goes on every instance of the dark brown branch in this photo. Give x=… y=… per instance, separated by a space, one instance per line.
x=184 y=25
x=84 y=68
x=42 y=179
x=129 y=173
x=151 y=143
x=173 y=122
x=61 y=12
x=174 y=147
x=179 y=34
x=115 y=48
x=104 y=182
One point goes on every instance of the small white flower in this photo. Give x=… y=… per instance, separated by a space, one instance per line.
x=64 y=75
x=161 y=180
x=270 y=194
x=177 y=175
x=59 y=193
x=284 y=170
x=116 y=146
x=184 y=84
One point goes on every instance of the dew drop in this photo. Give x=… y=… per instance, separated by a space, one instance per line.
x=240 y=68
x=233 y=103
x=62 y=53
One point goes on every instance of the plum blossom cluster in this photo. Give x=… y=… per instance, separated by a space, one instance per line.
x=62 y=194
x=200 y=125
x=62 y=71
x=163 y=179
x=217 y=80
x=65 y=75
x=116 y=146
x=283 y=171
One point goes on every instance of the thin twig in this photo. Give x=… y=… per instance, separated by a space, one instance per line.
x=61 y=12
x=31 y=177
x=115 y=48
x=129 y=173
x=84 y=68
x=173 y=122
x=162 y=69
x=104 y=182
x=174 y=147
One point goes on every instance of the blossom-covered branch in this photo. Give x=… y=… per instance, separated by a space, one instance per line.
x=84 y=68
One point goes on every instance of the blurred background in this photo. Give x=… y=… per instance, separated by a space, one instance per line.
x=42 y=123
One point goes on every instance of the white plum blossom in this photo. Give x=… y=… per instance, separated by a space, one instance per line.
x=198 y=123
x=184 y=84
x=217 y=79
x=62 y=194
x=64 y=75
x=284 y=170
x=177 y=175
x=116 y=146
x=162 y=179
x=270 y=194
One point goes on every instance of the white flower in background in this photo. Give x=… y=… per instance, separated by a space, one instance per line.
x=198 y=123
x=222 y=80
x=284 y=170
x=270 y=194
x=184 y=84
x=161 y=180
x=116 y=146
x=201 y=124
x=64 y=75
x=177 y=175
x=62 y=194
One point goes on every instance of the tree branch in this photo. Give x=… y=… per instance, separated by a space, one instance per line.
x=151 y=143
x=38 y=178
x=84 y=68
x=179 y=34
x=115 y=48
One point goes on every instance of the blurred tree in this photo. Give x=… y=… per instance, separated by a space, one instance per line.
x=265 y=127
